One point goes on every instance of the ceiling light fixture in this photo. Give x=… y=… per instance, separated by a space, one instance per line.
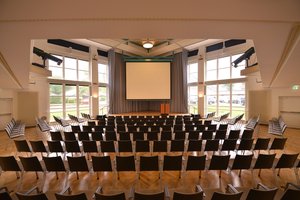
x=148 y=44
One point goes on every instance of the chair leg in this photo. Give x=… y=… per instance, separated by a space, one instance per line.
x=56 y=175
x=220 y=173
x=199 y=174
x=278 y=174
x=259 y=172
x=240 y=173
x=97 y=175
x=77 y=175
x=37 y=176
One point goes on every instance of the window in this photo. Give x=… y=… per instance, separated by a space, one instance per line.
x=192 y=80
x=103 y=100
x=102 y=73
x=71 y=99
x=84 y=99
x=56 y=99
x=226 y=98
x=72 y=69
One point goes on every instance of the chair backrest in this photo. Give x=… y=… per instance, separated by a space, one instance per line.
x=40 y=196
x=255 y=194
x=107 y=146
x=194 y=145
x=143 y=196
x=223 y=127
x=234 y=134
x=247 y=134
x=72 y=146
x=80 y=196
x=119 y=196
x=4 y=194
x=245 y=144
x=211 y=145
x=177 y=145
x=264 y=161
x=89 y=127
x=219 y=162
x=242 y=161
x=9 y=163
x=89 y=146
x=287 y=160
x=38 y=146
x=54 y=164
x=56 y=135
x=77 y=163
x=97 y=136
x=172 y=163
x=196 y=163
x=261 y=144
x=124 y=146
x=220 y=134
x=55 y=146
x=101 y=163
x=84 y=135
x=278 y=143
x=142 y=146
x=226 y=196
x=188 y=196
x=290 y=194
x=110 y=136
x=69 y=136
x=31 y=164
x=76 y=128
x=207 y=135
x=166 y=135
x=160 y=146
x=125 y=163
x=22 y=146
x=193 y=135
x=149 y=163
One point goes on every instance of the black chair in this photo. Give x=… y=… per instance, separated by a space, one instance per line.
x=99 y=128
x=124 y=135
x=152 y=136
x=38 y=146
x=97 y=136
x=189 y=127
x=72 y=147
x=107 y=146
x=177 y=146
x=194 y=145
x=54 y=164
x=261 y=144
x=155 y=128
x=137 y=136
x=220 y=134
x=278 y=144
x=88 y=128
x=167 y=128
x=179 y=135
x=200 y=127
x=172 y=163
x=212 y=127
x=286 y=161
x=223 y=127
x=56 y=135
x=212 y=145
x=83 y=136
x=247 y=134
x=9 y=163
x=197 y=195
x=77 y=164
x=195 y=163
x=166 y=135
x=207 y=135
x=69 y=196
x=150 y=196
x=219 y=162
x=160 y=146
x=31 y=164
x=91 y=123
x=264 y=161
x=291 y=191
x=131 y=128
x=193 y=135
x=124 y=146
x=242 y=162
x=125 y=163
x=29 y=196
x=245 y=145
x=55 y=147
x=99 y=195
x=22 y=146
x=75 y=128
x=229 y=145
x=142 y=146
x=69 y=136
x=234 y=134
x=101 y=164
x=143 y=129
x=4 y=194
x=261 y=192
x=149 y=163
x=89 y=146
x=110 y=136
x=231 y=194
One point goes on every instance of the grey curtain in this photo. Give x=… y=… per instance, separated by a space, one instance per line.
x=117 y=96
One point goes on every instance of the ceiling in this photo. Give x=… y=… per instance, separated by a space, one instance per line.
x=274 y=27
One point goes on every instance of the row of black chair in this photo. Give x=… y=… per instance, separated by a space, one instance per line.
x=149 y=163
x=164 y=135
x=73 y=146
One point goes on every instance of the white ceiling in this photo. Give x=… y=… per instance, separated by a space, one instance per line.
x=272 y=25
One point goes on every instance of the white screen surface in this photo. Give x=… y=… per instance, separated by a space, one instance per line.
x=148 y=80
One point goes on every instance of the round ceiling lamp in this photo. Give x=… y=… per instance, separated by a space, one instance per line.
x=148 y=44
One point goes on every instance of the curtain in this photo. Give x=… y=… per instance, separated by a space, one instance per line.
x=117 y=95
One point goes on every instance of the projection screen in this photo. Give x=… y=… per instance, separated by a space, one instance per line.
x=148 y=80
